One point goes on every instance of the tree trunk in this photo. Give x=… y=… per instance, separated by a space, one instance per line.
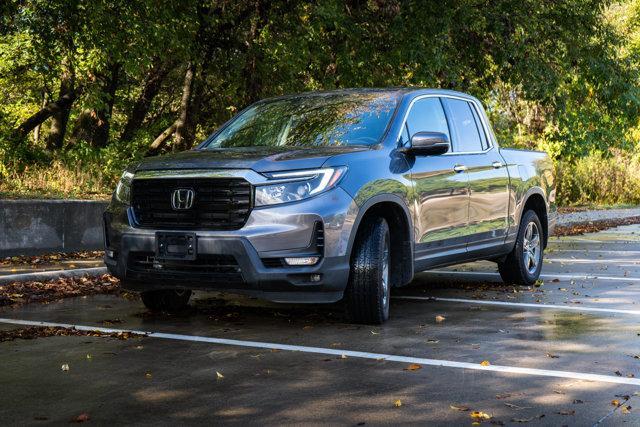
x=60 y=118
x=103 y=116
x=65 y=101
x=155 y=146
x=254 y=56
x=183 y=138
x=36 y=130
x=150 y=89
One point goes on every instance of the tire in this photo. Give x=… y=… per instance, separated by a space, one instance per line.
x=522 y=266
x=169 y=300
x=368 y=291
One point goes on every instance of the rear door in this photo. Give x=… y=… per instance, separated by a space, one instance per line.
x=488 y=176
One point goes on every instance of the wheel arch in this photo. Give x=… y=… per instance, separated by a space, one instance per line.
x=395 y=211
x=536 y=201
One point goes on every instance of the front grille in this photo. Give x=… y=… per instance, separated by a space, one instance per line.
x=223 y=269
x=218 y=203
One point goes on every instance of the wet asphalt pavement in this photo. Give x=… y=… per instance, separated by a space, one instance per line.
x=583 y=320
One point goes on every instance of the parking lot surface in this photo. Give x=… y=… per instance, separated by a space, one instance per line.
x=460 y=347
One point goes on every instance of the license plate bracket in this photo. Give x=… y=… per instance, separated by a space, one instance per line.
x=176 y=246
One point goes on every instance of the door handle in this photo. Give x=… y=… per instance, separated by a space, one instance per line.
x=459 y=168
x=497 y=165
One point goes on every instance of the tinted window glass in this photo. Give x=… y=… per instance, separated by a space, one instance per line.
x=426 y=115
x=483 y=135
x=462 y=121
x=311 y=120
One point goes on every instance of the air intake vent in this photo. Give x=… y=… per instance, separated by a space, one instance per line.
x=273 y=262
x=319 y=237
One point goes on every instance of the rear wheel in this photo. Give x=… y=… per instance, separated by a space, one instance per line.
x=522 y=266
x=368 y=292
x=170 y=300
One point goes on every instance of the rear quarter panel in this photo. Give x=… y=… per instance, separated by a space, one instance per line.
x=530 y=172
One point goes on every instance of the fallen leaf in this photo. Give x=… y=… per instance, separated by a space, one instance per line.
x=413 y=367
x=397 y=403
x=566 y=412
x=148 y=375
x=459 y=408
x=219 y=375
x=552 y=356
x=65 y=367
x=485 y=363
x=81 y=418
x=516 y=407
x=526 y=420
x=479 y=415
x=343 y=356
x=432 y=341
x=615 y=402
x=626 y=409
x=440 y=319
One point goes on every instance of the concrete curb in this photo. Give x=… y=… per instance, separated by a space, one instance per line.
x=52 y=275
x=32 y=227
x=571 y=218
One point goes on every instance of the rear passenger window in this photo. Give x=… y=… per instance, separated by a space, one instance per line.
x=483 y=135
x=426 y=115
x=461 y=115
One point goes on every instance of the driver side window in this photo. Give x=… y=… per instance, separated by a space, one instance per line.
x=426 y=115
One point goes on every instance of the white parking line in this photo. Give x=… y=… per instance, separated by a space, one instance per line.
x=347 y=353
x=522 y=304
x=595 y=251
x=592 y=261
x=542 y=276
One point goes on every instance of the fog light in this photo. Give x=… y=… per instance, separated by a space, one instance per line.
x=315 y=277
x=309 y=260
x=110 y=254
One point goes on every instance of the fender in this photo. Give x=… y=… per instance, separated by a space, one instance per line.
x=366 y=206
x=518 y=211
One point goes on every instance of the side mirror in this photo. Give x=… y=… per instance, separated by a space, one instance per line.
x=428 y=144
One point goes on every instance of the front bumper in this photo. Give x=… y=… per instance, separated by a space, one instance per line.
x=274 y=232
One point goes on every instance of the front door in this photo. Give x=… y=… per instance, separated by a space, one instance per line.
x=441 y=187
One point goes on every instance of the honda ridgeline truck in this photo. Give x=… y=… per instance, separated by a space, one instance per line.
x=329 y=195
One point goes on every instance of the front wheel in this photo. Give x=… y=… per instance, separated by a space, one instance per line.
x=170 y=300
x=522 y=266
x=368 y=292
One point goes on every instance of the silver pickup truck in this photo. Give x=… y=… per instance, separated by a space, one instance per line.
x=330 y=195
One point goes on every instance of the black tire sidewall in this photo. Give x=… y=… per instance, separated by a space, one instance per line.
x=528 y=217
x=365 y=293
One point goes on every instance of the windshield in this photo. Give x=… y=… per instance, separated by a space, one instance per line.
x=311 y=120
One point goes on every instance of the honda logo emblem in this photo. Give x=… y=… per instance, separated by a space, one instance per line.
x=182 y=198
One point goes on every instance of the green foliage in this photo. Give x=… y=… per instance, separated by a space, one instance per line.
x=561 y=76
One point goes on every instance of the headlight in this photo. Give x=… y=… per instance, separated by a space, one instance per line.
x=298 y=185
x=123 y=189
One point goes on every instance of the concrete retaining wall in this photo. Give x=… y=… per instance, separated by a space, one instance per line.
x=31 y=227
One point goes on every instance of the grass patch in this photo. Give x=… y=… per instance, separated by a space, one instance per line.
x=57 y=181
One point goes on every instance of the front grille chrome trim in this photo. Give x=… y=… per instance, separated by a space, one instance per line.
x=250 y=175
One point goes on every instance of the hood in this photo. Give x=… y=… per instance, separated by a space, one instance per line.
x=260 y=159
